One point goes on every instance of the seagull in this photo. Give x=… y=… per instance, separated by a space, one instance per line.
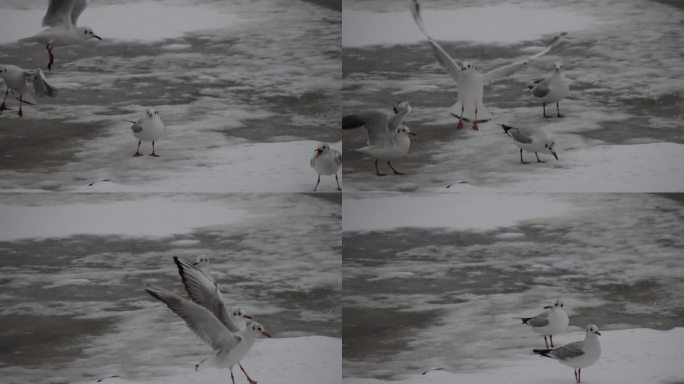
x=552 y=321
x=149 y=128
x=202 y=289
x=326 y=161
x=387 y=138
x=61 y=20
x=579 y=354
x=469 y=106
x=17 y=81
x=552 y=89
x=230 y=347
x=531 y=140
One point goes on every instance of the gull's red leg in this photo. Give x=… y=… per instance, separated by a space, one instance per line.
x=544 y=109
x=251 y=381
x=558 y=110
x=460 y=118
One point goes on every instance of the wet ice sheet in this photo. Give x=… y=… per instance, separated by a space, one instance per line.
x=222 y=90
x=623 y=127
x=276 y=256
x=629 y=356
x=445 y=296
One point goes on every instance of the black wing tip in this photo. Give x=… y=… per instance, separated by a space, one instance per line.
x=543 y=352
x=351 y=122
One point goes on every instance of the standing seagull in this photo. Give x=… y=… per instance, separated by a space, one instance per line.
x=579 y=354
x=230 y=347
x=552 y=321
x=469 y=106
x=149 y=128
x=326 y=161
x=61 y=20
x=552 y=89
x=17 y=81
x=387 y=138
x=531 y=140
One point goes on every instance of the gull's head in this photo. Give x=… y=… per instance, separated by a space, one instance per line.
x=257 y=328
x=401 y=106
x=237 y=313
x=558 y=304
x=549 y=148
x=467 y=65
x=201 y=260
x=559 y=67
x=593 y=328
x=88 y=33
x=403 y=130
x=151 y=113
x=322 y=147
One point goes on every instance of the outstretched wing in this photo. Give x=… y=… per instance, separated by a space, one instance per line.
x=375 y=123
x=451 y=65
x=79 y=7
x=205 y=325
x=40 y=85
x=204 y=292
x=59 y=13
x=506 y=70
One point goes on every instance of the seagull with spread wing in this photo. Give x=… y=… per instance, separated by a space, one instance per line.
x=469 y=106
x=60 y=20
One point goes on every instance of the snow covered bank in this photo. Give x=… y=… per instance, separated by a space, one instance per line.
x=311 y=359
x=628 y=356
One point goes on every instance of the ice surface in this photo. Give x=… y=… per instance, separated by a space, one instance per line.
x=627 y=356
x=312 y=359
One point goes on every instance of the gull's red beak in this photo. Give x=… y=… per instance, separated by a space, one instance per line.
x=547 y=307
x=247 y=317
x=597 y=332
x=554 y=155
x=412 y=134
x=265 y=334
x=97 y=37
x=318 y=152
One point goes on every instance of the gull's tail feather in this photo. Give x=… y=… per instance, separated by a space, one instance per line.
x=41 y=86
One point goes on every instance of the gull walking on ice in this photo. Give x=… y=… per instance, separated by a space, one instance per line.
x=149 y=128
x=552 y=89
x=61 y=20
x=470 y=106
x=531 y=140
x=17 y=81
x=326 y=161
x=552 y=321
x=387 y=138
x=579 y=354
x=229 y=347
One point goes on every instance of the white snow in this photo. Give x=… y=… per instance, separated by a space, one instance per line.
x=310 y=359
x=472 y=212
x=628 y=356
x=128 y=216
x=503 y=23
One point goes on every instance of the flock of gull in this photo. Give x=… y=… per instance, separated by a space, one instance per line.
x=388 y=139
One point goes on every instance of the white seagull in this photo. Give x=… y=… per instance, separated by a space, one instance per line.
x=149 y=128
x=60 y=19
x=326 y=161
x=387 y=138
x=531 y=140
x=579 y=354
x=552 y=89
x=469 y=106
x=552 y=321
x=17 y=80
x=230 y=347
